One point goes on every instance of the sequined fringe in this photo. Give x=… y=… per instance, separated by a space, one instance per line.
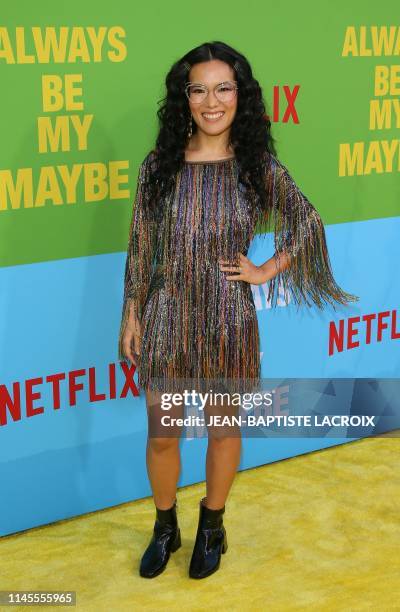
x=201 y=328
x=299 y=232
x=139 y=257
x=209 y=334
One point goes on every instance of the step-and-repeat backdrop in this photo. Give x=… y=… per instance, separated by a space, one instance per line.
x=80 y=90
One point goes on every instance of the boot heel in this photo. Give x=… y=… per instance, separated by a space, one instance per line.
x=224 y=545
x=177 y=542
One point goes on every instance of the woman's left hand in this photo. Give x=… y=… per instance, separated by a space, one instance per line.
x=245 y=271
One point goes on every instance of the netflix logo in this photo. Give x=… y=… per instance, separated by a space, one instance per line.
x=283 y=104
x=366 y=329
x=24 y=399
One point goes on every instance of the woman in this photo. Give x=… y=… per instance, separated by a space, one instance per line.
x=211 y=183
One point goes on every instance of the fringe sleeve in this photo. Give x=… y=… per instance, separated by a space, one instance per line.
x=139 y=256
x=298 y=232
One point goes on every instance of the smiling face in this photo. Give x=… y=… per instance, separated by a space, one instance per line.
x=212 y=115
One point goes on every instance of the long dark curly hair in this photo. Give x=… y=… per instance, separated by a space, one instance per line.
x=250 y=133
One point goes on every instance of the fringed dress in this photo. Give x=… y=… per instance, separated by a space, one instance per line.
x=199 y=330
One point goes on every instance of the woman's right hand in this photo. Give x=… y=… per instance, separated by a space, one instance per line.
x=131 y=342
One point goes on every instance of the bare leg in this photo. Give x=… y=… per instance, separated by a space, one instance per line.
x=162 y=452
x=223 y=456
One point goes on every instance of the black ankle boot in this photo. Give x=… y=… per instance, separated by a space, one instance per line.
x=210 y=542
x=166 y=539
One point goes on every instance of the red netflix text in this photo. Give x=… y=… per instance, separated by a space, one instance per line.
x=355 y=331
x=15 y=404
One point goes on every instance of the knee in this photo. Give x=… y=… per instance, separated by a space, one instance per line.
x=224 y=437
x=160 y=445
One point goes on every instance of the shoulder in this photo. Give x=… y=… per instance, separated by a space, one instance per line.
x=150 y=157
x=147 y=164
x=278 y=174
x=273 y=164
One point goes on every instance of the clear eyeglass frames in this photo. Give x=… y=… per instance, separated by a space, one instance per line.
x=224 y=92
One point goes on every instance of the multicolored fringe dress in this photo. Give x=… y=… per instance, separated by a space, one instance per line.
x=199 y=330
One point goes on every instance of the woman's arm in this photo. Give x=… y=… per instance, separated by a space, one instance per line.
x=301 y=262
x=139 y=258
x=274 y=265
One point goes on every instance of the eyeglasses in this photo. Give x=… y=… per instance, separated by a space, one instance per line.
x=197 y=92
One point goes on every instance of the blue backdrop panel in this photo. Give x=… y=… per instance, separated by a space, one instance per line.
x=78 y=458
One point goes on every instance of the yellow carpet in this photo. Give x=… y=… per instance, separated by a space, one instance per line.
x=316 y=532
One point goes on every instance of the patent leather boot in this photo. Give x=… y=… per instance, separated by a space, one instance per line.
x=210 y=542
x=166 y=538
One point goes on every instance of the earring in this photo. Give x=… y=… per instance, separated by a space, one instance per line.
x=190 y=127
